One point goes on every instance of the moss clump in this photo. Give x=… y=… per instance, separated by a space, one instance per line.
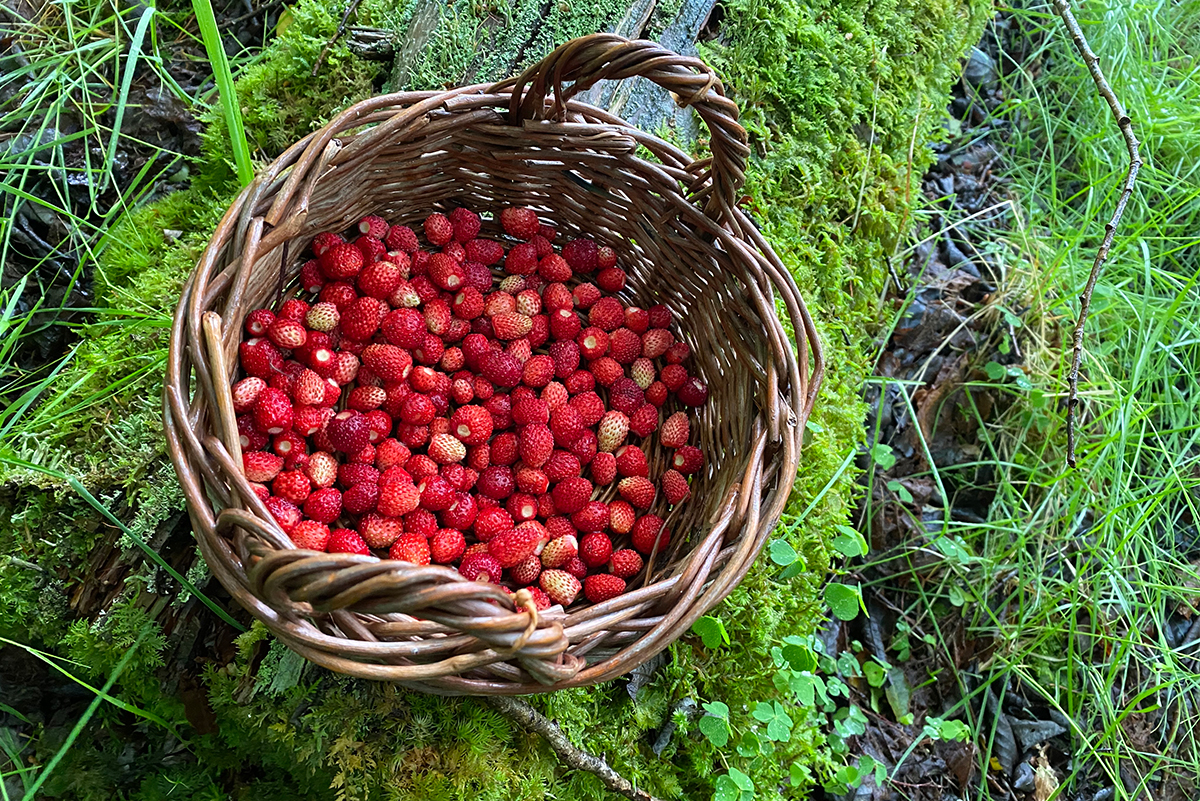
x=834 y=93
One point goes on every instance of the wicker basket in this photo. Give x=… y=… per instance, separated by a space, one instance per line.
x=682 y=239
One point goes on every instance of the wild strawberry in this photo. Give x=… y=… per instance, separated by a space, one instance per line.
x=481 y=567
x=522 y=259
x=499 y=303
x=465 y=224
x=547 y=232
x=310 y=535
x=352 y=473
x=509 y=548
x=462 y=391
x=361 y=498
x=642 y=372
x=500 y=368
x=346 y=540
x=536 y=444
x=445 y=272
x=644 y=421
x=521 y=506
x=349 y=431
x=490 y=522
x=322 y=317
x=273 y=412
x=361 y=319
x=531 y=410
x=496 y=482
x=287 y=334
x=606 y=370
x=566 y=358
x=404 y=295
x=638 y=491
x=624 y=346
x=468 y=303
x=562 y=464
x=561 y=587
x=519 y=222
x=553 y=268
x=660 y=316
x=602 y=587
x=565 y=324
x=389 y=362
x=322 y=469
x=526 y=571
x=462 y=513
x=625 y=396
x=675 y=487
x=421 y=521
x=412 y=548
x=603 y=469
x=324 y=505
x=249 y=436
x=364 y=399
x=402 y=261
x=401 y=237
x=261 y=466
x=340 y=293
x=611 y=279
x=341 y=261
x=585 y=295
x=556 y=296
x=607 y=314
x=673 y=376
x=471 y=424
x=585 y=447
x=292 y=485
x=446 y=449
x=260 y=358
x=532 y=481
x=592 y=517
x=461 y=478
x=438 y=229
x=571 y=494
x=258 y=321
x=649 y=532
x=606 y=257
x=446 y=546
x=373 y=226
x=593 y=343
x=559 y=550
x=504 y=448
x=479 y=456
x=567 y=425
x=398 y=498
x=500 y=407
x=245 y=393
x=546 y=508
x=430 y=351
x=418 y=410
x=511 y=325
x=529 y=302
x=688 y=460
x=424 y=380
x=581 y=254
x=372 y=249
x=674 y=431
x=379 y=280
x=484 y=251
x=390 y=452
x=580 y=381
x=621 y=517
x=678 y=353
x=323 y=362
x=325 y=240
x=625 y=563
x=694 y=392
x=289 y=444
x=366 y=457
x=555 y=395
x=614 y=427
x=575 y=567
x=286 y=513
x=436 y=493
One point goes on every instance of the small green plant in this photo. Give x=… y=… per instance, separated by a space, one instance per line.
x=230 y=107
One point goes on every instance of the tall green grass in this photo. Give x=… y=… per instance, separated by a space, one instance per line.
x=1076 y=575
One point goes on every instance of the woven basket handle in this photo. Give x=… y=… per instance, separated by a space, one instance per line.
x=600 y=56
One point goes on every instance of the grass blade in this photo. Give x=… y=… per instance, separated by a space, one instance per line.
x=135 y=50
x=224 y=80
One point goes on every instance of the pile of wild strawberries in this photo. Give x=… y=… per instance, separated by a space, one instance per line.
x=478 y=423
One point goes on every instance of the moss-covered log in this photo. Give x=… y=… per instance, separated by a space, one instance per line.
x=841 y=98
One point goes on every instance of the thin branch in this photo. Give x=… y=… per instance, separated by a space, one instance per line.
x=521 y=713
x=1110 y=229
x=341 y=29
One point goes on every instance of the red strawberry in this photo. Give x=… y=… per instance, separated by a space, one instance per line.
x=361 y=319
x=606 y=257
x=481 y=567
x=538 y=371
x=471 y=424
x=290 y=444
x=593 y=342
x=446 y=273
x=576 y=567
x=531 y=410
x=536 y=444
x=688 y=460
x=446 y=546
x=624 y=346
x=660 y=316
x=402 y=238
x=607 y=314
x=260 y=358
x=245 y=392
x=419 y=467
x=323 y=241
x=521 y=506
x=372 y=249
x=249 y=436
x=273 y=412
x=526 y=571
x=373 y=226
x=592 y=517
x=614 y=427
x=505 y=448
x=490 y=522
x=499 y=303
x=648 y=532
x=324 y=505
x=436 y=493
x=674 y=432
x=625 y=396
x=621 y=517
x=555 y=395
x=625 y=563
x=258 y=321
x=532 y=481
x=637 y=320
x=310 y=535
x=361 y=498
x=411 y=548
x=656 y=341
x=604 y=469
x=675 y=487
x=566 y=358
x=585 y=296
x=556 y=296
x=418 y=410
x=379 y=280
x=522 y=260
x=397 y=498
x=567 y=424
x=560 y=586
x=581 y=254
x=340 y=293
x=484 y=251
x=468 y=303
x=496 y=482
x=462 y=513
x=378 y=531
x=589 y=406
x=611 y=279
x=541 y=600
x=500 y=368
x=694 y=392
x=602 y=587
x=580 y=381
x=519 y=222
x=637 y=490
x=584 y=448
x=644 y=421
x=461 y=478
x=292 y=485
x=606 y=370
x=346 y=540
x=529 y=302
x=261 y=466
x=562 y=465
x=559 y=550
x=678 y=353
x=352 y=473
x=438 y=229
x=349 y=431
x=446 y=449
x=511 y=325
x=287 y=334
x=571 y=494
x=565 y=324
x=363 y=399
x=465 y=224
x=389 y=452
x=509 y=548
x=553 y=267
x=341 y=261
x=673 y=376
x=421 y=521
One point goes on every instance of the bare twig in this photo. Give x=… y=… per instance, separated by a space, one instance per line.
x=1135 y=164
x=341 y=29
x=527 y=717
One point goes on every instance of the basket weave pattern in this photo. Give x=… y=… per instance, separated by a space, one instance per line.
x=683 y=242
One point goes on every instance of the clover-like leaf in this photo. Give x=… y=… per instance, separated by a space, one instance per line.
x=711 y=631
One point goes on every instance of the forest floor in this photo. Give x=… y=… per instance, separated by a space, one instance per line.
x=1021 y=630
